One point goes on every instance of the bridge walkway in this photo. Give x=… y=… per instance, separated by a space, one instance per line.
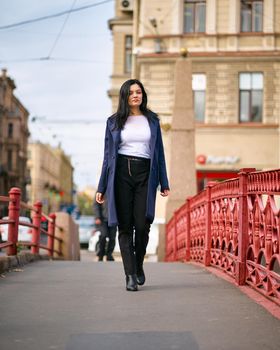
x=84 y=306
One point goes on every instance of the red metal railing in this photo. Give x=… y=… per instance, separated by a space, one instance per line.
x=12 y=244
x=234 y=226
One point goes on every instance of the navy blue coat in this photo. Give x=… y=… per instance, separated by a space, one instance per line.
x=157 y=175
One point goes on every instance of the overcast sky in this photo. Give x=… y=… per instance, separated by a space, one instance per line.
x=71 y=86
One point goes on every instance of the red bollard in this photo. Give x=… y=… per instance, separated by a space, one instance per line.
x=51 y=232
x=36 y=220
x=14 y=207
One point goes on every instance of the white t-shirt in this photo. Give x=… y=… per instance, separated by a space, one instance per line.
x=135 y=137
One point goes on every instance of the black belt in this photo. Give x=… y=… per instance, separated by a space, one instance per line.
x=137 y=159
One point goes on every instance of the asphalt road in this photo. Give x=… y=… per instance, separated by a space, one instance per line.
x=84 y=305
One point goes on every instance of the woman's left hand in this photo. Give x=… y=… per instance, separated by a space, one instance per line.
x=165 y=193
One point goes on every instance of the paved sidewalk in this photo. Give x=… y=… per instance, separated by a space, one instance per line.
x=84 y=306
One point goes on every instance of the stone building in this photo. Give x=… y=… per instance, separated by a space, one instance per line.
x=234 y=47
x=51 y=175
x=65 y=177
x=13 y=138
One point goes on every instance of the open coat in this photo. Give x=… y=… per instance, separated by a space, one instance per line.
x=157 y=174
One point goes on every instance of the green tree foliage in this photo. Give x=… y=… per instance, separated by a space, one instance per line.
x=85 y=203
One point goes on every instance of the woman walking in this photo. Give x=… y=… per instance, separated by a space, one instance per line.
x=133 y=167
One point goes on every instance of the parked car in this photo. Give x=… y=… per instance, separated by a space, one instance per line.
x=86 y=228
x=24 y=232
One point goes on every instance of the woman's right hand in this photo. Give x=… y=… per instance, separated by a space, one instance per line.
x=99 y=198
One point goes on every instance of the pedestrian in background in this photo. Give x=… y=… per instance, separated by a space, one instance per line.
x=133 y=167
x=106 y=231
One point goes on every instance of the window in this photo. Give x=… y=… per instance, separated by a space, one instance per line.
x=10 y=130
x=251 y=16
x=199 y=87
x=194 y=16
x=250 y=97
x=10 y=160
x=128 y=54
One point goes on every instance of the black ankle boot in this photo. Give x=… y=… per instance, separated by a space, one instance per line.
x=131 y=283
x=140 y=277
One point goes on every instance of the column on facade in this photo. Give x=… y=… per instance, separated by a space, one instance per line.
x=268 y=16
x=178 y=17
x=234 y=17
x=135 y=30
x=211 y=17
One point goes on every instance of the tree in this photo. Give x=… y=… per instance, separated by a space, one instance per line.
x=85 y=202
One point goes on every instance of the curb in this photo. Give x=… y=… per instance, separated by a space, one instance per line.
x=8 y=263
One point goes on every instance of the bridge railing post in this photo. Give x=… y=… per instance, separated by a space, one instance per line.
x=243 y=225
x=51 y=232
x=36 y=231
x=14 y=208
x=207 y=247
x=175 y=238
x=188 y=230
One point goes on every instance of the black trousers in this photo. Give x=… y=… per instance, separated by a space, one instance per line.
x=131 y=187
x=106 y=232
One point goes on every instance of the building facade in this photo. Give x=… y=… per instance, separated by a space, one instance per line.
x=13 y=138
x=51 y=175
x=234 y=47
x=65 y=177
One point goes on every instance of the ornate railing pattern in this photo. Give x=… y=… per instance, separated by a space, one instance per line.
x=197 y=211
x=170 y=241
x=12 y=244
x=263 y=262
x=234 y=226
x=224 y=225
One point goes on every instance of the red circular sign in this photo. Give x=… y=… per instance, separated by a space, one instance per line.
x=201 y=159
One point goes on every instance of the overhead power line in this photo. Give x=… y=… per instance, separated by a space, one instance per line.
x=61 y=29
x=62 y=59
x=65 y=121
x=63 y=13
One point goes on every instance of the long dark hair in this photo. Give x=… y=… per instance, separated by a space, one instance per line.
x=123 y=110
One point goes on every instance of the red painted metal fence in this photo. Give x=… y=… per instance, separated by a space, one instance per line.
x=13 y=222
x=234 y=226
